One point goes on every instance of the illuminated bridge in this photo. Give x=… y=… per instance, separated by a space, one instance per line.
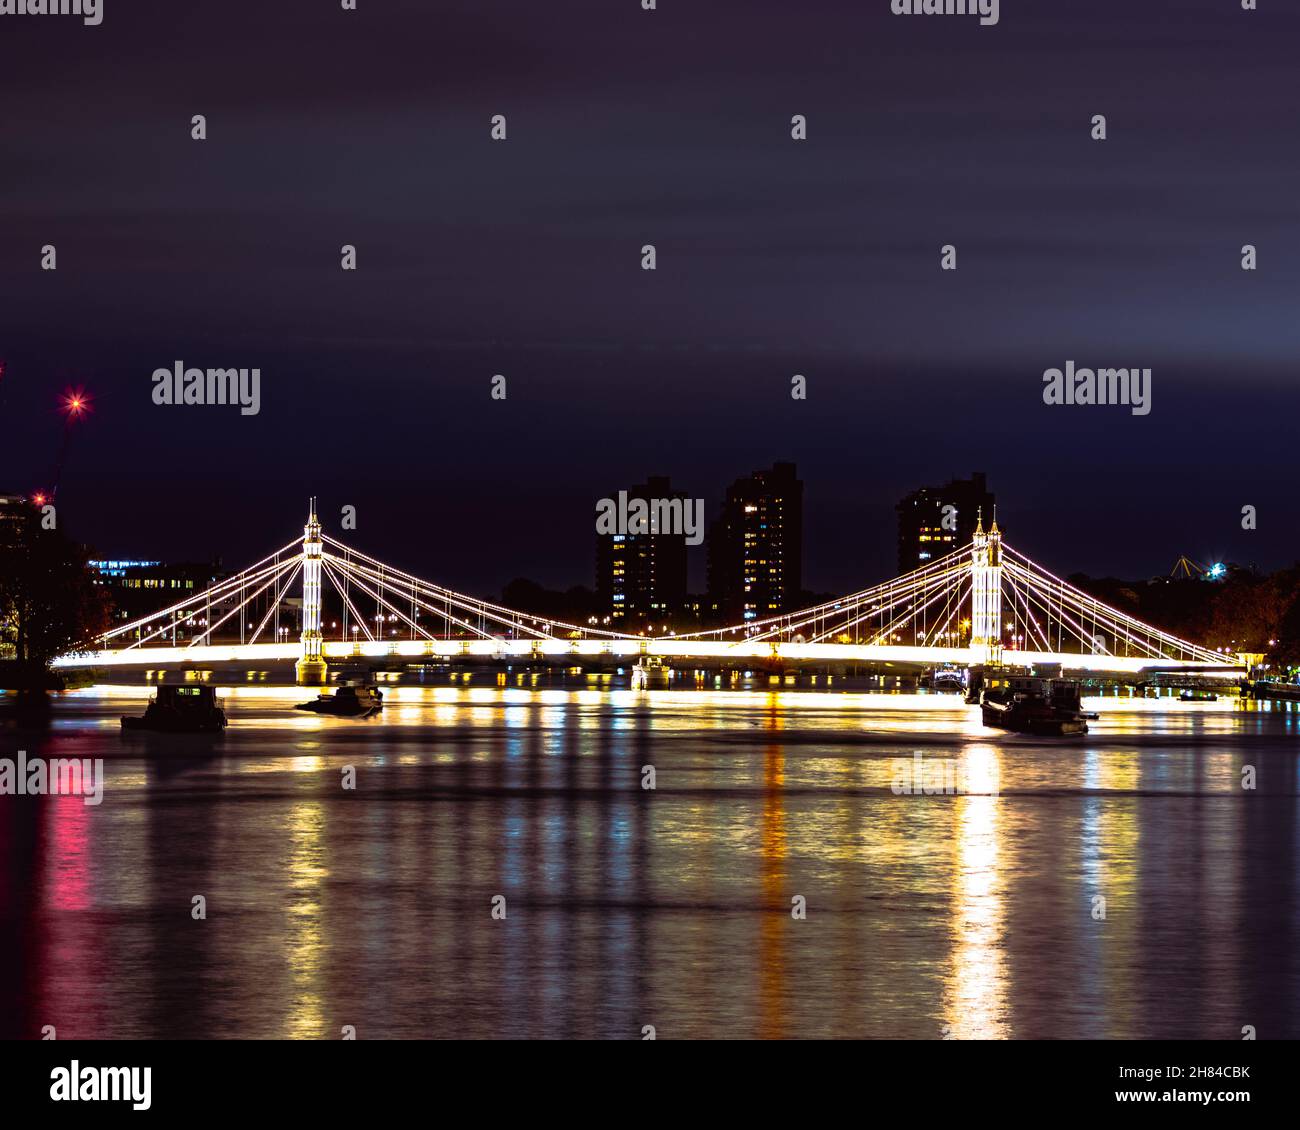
x=984 y=603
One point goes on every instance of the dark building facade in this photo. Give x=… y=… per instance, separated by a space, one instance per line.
x=139 y=588
x=756 y=546
x=641 y=577
x=923 y=533
x=15 y=512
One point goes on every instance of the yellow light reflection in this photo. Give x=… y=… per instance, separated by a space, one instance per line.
x=305 y=947
x=776 y=899
x=1111 y=861
x=975 y=989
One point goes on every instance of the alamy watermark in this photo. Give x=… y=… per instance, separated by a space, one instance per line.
x=1102 y=386
x=64 y=776
x=651 y=516
x=75 y=1083
x=941 y=776
x=90 y=11
x=179 y=385
x=987 y=10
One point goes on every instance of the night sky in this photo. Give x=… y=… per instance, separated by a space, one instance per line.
x=522 y=257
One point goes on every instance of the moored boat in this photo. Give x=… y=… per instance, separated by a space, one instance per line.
x=1041 y=703
x=347 y=702
x=651 y=674
x=948 y=679
x=180 y=710
x=1197 y=696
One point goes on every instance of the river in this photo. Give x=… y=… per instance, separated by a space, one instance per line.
x=500 y=870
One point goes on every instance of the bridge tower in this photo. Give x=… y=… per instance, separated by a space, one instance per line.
x=310 y=668
x=986 y=594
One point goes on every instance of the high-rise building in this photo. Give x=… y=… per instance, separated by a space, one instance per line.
x=641 y=577
x=15 y=510
x=933 y=521
x=15 y=513
x=756 y=546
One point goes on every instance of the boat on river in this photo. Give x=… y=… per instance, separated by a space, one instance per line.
x=347 y=702
x=948 y=679
x=1040 y=703
x=180 y=710
x=651 y=674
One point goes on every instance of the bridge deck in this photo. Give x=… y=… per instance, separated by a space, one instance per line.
x=714 y=651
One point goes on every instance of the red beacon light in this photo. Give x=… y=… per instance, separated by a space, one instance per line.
x=75 y=402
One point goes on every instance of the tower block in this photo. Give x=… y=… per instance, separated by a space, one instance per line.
x=310 y=668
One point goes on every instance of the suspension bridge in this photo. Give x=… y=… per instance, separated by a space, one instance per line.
x=982 y=604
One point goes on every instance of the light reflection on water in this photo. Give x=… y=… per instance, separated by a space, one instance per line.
x=977 y=915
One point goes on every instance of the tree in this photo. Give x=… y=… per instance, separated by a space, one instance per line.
x=1246 y=612
x=1286 y=651
x=49 y=600
x=574 y=604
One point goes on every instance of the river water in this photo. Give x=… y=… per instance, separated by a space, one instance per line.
x=793 y=873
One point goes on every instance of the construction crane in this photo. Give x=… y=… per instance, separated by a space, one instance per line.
x=75 y=405
x=1187 y=569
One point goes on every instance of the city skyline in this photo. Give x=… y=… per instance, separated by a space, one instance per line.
x=143 y=592
x=547 y=571
x=843 y=522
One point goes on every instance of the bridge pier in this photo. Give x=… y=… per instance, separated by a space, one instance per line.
x=310 y=669
x=986 y=594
